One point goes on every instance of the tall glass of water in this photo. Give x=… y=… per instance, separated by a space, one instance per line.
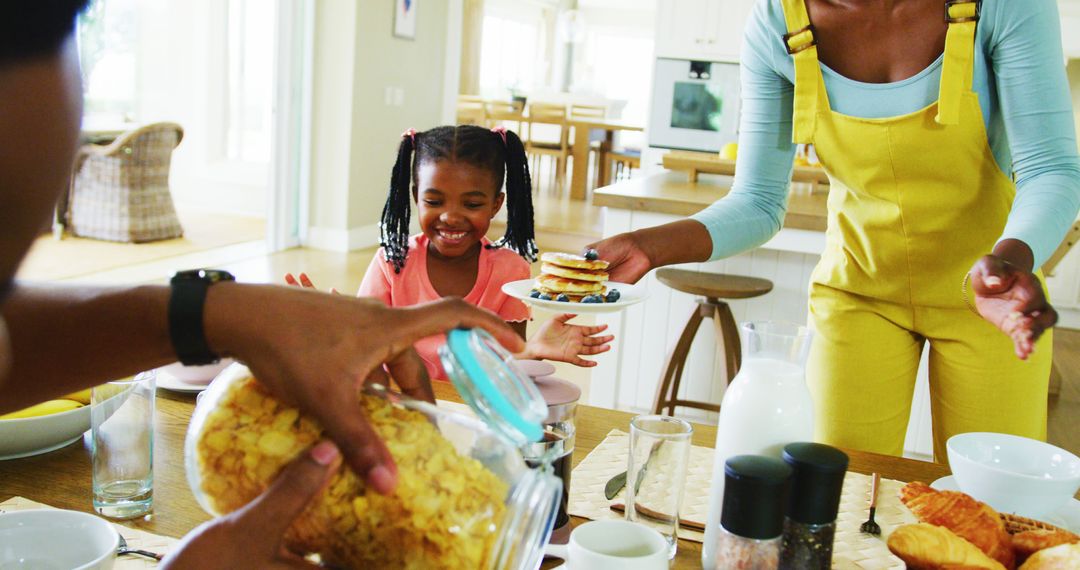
x=122 y=425
x=656 y=474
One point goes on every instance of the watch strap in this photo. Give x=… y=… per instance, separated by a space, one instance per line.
x=186 y=324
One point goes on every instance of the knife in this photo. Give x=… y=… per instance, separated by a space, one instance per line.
x=616 y=483
x=660 y=517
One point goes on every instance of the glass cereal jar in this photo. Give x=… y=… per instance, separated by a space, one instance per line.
x=465 y=496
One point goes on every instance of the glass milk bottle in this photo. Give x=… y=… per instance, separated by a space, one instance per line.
x=766 y=407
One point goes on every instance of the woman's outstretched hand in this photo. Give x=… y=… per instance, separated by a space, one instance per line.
x=628 y=262
x=557 y=340
x=1013 y=300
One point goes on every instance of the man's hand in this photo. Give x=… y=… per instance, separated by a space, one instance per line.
x=315 y=351
x=252 y=536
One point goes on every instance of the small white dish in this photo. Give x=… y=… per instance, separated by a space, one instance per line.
x=613 y=544
x=169 y=382
x=195 y=375
x=628 y=295
x=1014 y=474
x=54 y=538
x=1067 y=517
x=24 y=437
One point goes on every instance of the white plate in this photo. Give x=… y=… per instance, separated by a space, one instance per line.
x=629 y=295
x=24 y=437
x=1067 y=517
x=167 y=381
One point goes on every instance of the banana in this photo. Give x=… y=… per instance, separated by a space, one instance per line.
x=82 y=396
x=46 y=408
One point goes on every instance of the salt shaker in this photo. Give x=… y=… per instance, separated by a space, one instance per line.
x=755 y=497
x=810 y=524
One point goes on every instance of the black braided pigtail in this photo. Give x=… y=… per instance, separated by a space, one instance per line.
x=394 y=225
x=520 y=235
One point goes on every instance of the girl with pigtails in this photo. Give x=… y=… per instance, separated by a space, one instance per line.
x=456 y=176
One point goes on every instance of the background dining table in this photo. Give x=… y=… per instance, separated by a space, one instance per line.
x=62 y=478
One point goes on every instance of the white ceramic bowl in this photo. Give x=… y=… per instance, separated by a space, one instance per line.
x=30 y=436
x=196 y=374
x=56 y=539
x=1014 y=474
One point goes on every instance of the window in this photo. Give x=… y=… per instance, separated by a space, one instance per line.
x=512 y=52
x=249 y=80
x=617 y=66
x=107 y=40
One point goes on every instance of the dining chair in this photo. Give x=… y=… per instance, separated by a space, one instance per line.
x=120 y=191
x=470 y=110
x=553 y=140
x=507 y=114
x=596 y=139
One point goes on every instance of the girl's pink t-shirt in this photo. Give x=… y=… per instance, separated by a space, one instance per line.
x=413 y=286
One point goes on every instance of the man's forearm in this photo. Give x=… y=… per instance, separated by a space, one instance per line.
x=66 y=338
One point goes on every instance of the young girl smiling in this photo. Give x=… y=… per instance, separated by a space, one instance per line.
x=455 y=175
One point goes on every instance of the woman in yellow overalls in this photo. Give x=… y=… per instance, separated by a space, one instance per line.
x=923 y=113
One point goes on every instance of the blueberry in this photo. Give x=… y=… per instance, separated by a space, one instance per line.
x=613 y=295
x=544 y=297
x=562 y=298
x=534 y=294
x=592 y=299
x=591 y=254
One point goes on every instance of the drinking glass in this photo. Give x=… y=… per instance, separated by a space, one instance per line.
x=122 y=425
x=656 y=473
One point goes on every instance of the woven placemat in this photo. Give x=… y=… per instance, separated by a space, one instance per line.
x=136 y=539
x=852 y=549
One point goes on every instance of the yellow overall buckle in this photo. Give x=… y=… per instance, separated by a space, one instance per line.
x=800 y=40
x=959 y=11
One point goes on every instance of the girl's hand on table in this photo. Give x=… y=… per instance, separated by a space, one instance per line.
x=1013 y=300
x=315 y=351
x=628 y=262
x=251 y=537
x=556 y=340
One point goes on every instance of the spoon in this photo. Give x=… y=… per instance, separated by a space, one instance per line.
x=123 y=549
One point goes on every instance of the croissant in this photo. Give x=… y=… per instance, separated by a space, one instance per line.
x=929 y=547
x=964 y=516
x=1031 y=541
x=1057 y=558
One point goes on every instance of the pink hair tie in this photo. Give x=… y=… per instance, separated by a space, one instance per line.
x=411 y=133
x=501 y=131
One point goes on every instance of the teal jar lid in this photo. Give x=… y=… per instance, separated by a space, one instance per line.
x=489 y=381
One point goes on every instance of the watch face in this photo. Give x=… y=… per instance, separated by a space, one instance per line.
x=208 y=275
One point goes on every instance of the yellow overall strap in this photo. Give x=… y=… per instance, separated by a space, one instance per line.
x=802 y=45
x=957 y=68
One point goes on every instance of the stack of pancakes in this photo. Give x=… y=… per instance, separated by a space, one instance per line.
x=571 y=275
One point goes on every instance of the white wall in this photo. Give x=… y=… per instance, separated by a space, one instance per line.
x=369 y=86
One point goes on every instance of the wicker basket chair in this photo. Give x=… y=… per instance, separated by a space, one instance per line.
x=120 y=191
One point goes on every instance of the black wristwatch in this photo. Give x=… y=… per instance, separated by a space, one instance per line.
x=186 y=314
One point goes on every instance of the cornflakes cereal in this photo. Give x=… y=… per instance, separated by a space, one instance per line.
x=443 y=513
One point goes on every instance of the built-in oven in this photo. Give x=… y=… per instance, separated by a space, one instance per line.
x=695 y=105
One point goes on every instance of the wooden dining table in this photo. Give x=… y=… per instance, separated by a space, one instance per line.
x=62 y=478
x=582 y=127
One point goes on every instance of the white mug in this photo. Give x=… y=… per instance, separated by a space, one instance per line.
x=616 y=544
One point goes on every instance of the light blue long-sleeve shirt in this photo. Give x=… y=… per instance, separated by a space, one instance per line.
x=1020 y=80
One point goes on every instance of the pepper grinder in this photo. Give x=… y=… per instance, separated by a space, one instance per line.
x=562 y=398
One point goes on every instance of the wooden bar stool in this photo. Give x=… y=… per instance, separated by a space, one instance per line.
x=714 y=287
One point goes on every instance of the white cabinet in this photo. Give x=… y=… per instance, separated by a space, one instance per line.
x=708 y=30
